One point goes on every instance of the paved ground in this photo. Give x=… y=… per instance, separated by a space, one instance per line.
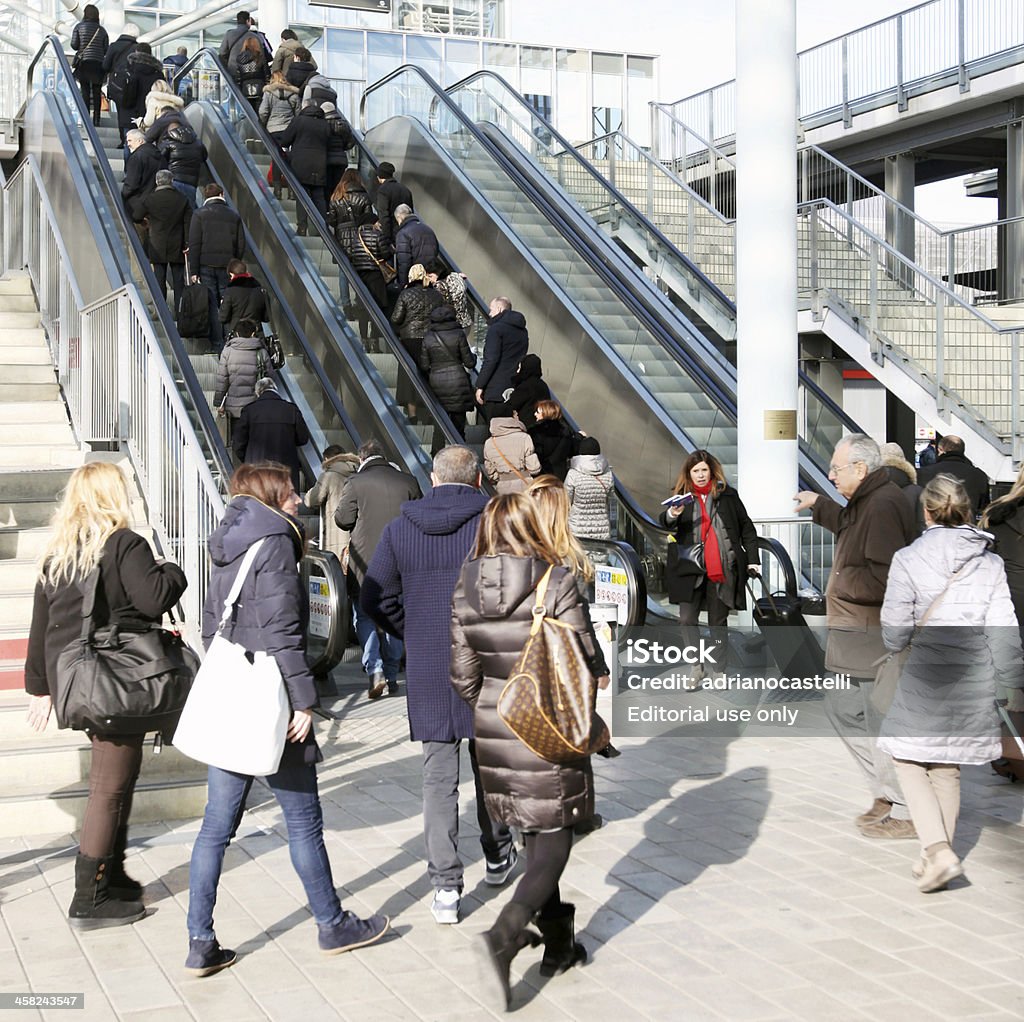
x=727 y=883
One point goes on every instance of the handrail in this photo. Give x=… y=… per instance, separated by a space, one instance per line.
x=425 y=394
x=891 y=48
x=618 y=284
x=636 y=582
x=216 y=447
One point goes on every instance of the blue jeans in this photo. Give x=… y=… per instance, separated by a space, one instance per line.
x=296 y=792
x=381 y=651
x=215 y=279
x=189 y=191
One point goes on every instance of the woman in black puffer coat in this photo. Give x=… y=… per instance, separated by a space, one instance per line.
x=89 y=40
x=446 y=358
x=492 y=611
x=349 y=206
x=411 y=320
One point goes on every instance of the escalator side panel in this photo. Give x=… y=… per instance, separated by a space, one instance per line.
x=643 y=449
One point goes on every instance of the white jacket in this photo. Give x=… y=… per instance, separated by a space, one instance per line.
x=157 y=103
x=944 y=707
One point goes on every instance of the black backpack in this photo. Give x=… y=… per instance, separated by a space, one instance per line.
x=194 y=311
x=272 y=354
x=251 y=79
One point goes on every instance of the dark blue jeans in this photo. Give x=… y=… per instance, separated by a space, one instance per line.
x=215 y=279
x=296 y=792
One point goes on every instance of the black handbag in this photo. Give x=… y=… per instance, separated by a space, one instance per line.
x=121 y=682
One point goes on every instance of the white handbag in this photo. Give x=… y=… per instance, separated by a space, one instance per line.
x=237 y=713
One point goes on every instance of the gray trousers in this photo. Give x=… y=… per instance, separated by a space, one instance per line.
x=851 y=712
x=441 y=815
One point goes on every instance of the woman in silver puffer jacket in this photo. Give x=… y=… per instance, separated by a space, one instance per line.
x=943 y=713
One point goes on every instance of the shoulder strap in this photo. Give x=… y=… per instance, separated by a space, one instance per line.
x=539 y=610
x=509 y=463
x=938 y=599
x=88 y=587
x=236 y=586
x=366 y=248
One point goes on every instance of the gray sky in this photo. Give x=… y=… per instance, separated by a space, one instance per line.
x=696 y=41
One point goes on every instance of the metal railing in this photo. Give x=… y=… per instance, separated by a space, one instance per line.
x=13 y=66
x=114 y=375
x=929 y=47
x=968 y=359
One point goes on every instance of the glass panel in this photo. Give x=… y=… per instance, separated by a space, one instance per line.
x=608 y=64
x=640 y=92
x=344 y=54
x=572 y=111
x=640 y=67
x=384 y=54
x=494 y=18
x=466 y=17
x=461 y=59
x=536 y=56
x=500 y=54
x=424 y=52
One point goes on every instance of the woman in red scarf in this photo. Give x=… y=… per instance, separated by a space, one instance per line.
x=711 y=513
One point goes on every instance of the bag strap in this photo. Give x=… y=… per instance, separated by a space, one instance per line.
x=366 y=248
x=88 y=586
x=509 y=463
x=236 y=587
x=539 y=608
x=938 y=599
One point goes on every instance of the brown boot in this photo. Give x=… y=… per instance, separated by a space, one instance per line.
x=894 y=830
x=879 y=810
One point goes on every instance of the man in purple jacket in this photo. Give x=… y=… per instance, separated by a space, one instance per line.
x=408 y=591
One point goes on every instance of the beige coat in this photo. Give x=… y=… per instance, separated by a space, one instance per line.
x=510 y=461
x=326 y=495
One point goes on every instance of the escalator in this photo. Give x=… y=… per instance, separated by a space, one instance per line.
x=633 y=370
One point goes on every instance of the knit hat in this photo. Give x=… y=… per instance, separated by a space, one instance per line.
x=588 y=445
x=131 y=29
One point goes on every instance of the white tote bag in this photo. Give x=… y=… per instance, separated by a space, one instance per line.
x=237 y=713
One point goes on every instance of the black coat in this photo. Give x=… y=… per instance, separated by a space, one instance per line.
x=115 y=66
x=682 y=582
x=1006 y=523
x=340 y=140
x=299 y=72
x=90 y=41
x=344 y=216
x=169 y=216
x=975 y=482
x=307 y=137
x=388 y=197
x=143 y=70
x=184 y=152
x=415 y=243
x=270 y=429
x=555 y=444
x=215 y=237
x=412 y=312
x=243 y=299
x=231 y=46
x=273 y=608
x=529 y=389
x=133 y=588
x=445 y=357
x=140 y=177
x=371 y=498
x=505 y=347
x=362 y=246
x=492 y=611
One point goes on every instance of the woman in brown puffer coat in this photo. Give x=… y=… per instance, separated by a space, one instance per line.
x=492 y=611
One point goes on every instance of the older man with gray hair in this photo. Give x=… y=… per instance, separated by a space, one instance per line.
x=876 y=522
x=415 y=243
x=169 y=216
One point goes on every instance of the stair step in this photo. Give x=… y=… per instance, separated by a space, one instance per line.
x=35 y=412
x=16 y=607
x=58 y=433
x=32 y=486
x=22 y=544
x=24 y=514
x=16 y=284
x=17 y=574
x=25 y=355
x=18 y=302
x=14 y=337
x=40 y=454
x=19 y=320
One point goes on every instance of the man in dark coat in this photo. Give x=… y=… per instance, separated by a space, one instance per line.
x=371 y=498
x=389 y=196
x=215 y=237
x=143 y=71
x=505 y=348
x=233 y=41
x=952 y=461
x=115 y=67
x=408 y=592
x=169 y=217
x=415 y=243
x=876 y=522
x=308 y=137
x=140 y=170
x=243 y=298
x=270 y=429
x=301 y=69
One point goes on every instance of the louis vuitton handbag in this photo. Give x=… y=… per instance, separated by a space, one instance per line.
x=548 y=700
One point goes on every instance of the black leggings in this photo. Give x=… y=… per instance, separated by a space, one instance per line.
x=90 y=80
x=547 y=855
x=112 y=775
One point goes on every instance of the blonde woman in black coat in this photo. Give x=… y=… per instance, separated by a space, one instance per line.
x=492 y=611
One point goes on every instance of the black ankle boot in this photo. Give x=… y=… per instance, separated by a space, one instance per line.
x=561 y=949
x=92 y=907
x=499 y=945
x=121 y=886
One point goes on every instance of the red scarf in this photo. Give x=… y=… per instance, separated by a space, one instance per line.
x=712 y=555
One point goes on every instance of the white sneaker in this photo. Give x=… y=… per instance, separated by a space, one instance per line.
x=445 y=906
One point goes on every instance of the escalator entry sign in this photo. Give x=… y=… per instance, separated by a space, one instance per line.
x=612 y=586
x=319 y=608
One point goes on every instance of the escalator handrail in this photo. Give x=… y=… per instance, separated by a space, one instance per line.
x=285 y=310
x=183 y=363
x=603 y=183
x=376 y=314
x=619 y=285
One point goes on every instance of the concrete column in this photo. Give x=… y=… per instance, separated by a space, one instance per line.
x=900 y=176
x=1011 y=192
x=766 y=353
x=273 y=19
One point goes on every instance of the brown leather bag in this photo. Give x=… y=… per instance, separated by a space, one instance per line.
x=548 y=702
